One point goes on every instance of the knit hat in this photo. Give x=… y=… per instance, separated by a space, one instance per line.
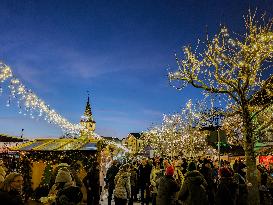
x=169 y=171
x=63 y=176
x=191 y=166
x=224 y=172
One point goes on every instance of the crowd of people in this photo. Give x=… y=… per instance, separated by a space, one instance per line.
x=176 y=181
x=180 y=181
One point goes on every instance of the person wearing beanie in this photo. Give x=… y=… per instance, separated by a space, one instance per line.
x=62 y=179
x=227 y=190
x=169 y=171
x=193 y=189
x=66 y=190
x=63 y=176
x=167 y=188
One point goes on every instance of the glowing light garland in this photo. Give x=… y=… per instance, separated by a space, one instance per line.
x=180 y=134
x=29 y=102
x=233 y=66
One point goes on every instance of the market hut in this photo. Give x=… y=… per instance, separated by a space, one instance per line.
x=39 y=158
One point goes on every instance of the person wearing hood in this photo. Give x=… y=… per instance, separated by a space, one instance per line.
x=61 y=191
x=227 y=190
x=167 y=188
x=193 y=190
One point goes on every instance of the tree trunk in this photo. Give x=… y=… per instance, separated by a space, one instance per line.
x=251 y=177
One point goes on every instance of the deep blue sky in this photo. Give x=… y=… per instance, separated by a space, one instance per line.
x=119 y=50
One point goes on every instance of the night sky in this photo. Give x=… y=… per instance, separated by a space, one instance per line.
x=118 y=50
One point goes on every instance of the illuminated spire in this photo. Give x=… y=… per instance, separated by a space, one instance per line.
x=88 y=112
x=87 y=120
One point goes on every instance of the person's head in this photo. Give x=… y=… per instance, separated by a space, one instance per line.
x=207 y=163
x=115 y=162
x=169 y=171
x=96 y=165
x=224 y=172
x=191 y=166
x=144 y=161
x=166 y=163
x=125 y=168
x=63 y=177
x=13 y=181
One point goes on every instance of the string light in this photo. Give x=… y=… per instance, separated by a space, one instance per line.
x=233 y=66
x=35 y=106
x=179 y=134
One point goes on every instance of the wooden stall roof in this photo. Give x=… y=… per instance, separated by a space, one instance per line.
x=57 y=145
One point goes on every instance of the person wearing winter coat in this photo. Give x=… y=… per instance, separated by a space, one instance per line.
x=193 y=190
x=243 y=190
x=167 y=188
x=92 y=185
x=206 y=171
x=10 y=189
x=110 y=179
x=64 y=191
x=133 y=181
x=144 y=180
x=122 y=185
x=227 y=189
x=156 y=173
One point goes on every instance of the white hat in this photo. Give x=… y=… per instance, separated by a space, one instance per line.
x=63 y=176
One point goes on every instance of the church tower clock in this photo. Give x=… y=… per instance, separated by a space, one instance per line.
x=87 y=121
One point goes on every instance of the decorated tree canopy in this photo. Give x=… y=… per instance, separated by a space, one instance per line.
x=233 y=66
x=179 y=134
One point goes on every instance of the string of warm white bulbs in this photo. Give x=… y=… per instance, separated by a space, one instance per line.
x=29 y=102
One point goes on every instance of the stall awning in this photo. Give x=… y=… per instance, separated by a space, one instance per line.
x=57 y=145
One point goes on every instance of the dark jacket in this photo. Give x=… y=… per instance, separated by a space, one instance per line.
x=193 y=191
x=110 y=176
x=167 y=188
x=208 y=175
x=227 y=191
x=70 y=195
x=10 y=198
x=144 y=174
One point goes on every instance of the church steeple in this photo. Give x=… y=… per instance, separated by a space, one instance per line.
x=87 y=120
x=88 y=112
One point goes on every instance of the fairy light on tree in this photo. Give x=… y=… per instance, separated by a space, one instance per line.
x=179 y=134
x=233 y=66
